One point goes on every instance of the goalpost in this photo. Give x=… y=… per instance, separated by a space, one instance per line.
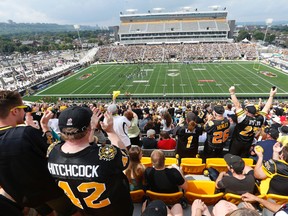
x=256 y=65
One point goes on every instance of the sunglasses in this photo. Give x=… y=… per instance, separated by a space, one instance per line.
x=26 y=108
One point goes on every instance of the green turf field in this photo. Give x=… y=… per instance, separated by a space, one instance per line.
x=211 y=79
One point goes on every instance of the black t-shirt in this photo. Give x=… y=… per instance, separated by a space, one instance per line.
x=163 y=181
x=23 y=166
x=236 y=186
x=93 y=179
x=278 y=171
x=138 y=112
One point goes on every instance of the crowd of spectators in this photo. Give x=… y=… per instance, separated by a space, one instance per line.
x=19 y=72
x=177 y=52
x=174 y=124
x=242 y=127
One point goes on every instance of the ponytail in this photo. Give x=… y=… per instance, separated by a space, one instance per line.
x=191 y=125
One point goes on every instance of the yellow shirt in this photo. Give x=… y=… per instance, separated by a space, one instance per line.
x=283 y=140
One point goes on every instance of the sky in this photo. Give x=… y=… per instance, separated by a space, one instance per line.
x=106 y=12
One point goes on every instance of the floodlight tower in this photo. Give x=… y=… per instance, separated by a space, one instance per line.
x=268 y=24
x=77 y=27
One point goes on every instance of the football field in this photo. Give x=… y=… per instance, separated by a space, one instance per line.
x=171 y=79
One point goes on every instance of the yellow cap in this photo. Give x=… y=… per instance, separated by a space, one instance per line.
x=206 y=173
x=259 y=148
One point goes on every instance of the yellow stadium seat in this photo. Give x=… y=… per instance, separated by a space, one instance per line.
x=146 y=161
x=279 y=199
x=264 y=186
x=169 y=161
x=168 y=198
x=236 y=199
x=137 y=196
x=217 y=163
x=248 y=161
x=204 y=190
x=192 y=165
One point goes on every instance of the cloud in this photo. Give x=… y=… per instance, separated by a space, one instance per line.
x=106 y=12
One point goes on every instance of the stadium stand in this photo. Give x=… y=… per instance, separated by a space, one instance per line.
x=174 y=27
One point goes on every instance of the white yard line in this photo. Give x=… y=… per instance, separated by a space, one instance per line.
x=271 y=84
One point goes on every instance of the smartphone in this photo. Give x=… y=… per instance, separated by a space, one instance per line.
x=273 y=87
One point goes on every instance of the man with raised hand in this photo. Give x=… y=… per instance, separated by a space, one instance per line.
x=248 y=121
x=217 y=128
x=91 y=175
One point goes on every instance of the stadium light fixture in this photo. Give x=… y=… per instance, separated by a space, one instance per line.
x=186 y=9
x=131 y=11
x=268 y=22
x=214 y=7
x=77 y=27
x=158 y=9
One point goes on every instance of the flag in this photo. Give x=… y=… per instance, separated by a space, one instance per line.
x=116 y=94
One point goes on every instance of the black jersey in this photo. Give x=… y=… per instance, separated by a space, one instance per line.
x=277 y=170
x=217 y=132
x=245 y=128
x=93 y=179
x=187 y=141
x=23 y=166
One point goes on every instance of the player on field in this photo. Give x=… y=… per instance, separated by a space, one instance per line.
x=247 y=123
x=91 y=175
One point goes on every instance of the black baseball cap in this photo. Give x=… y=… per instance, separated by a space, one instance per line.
x=273 y=132
x=235 y=162
x=251 y=109
x=283 y=130
x=155 y=208
x=75 y=117
x=219 y=109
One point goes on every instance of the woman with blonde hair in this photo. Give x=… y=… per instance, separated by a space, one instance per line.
x=135 y=170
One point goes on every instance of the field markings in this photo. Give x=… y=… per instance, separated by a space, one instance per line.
x=243 y=78
x=190 y=69
x=111 y=78
x=140 y=81
x=107 y=80
x=183 y=84
x=271 y=84
x=77 y=73
x=156 y=83
x=168 y=94
x=207 y=83
x=86 y=84
x=217 y=74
